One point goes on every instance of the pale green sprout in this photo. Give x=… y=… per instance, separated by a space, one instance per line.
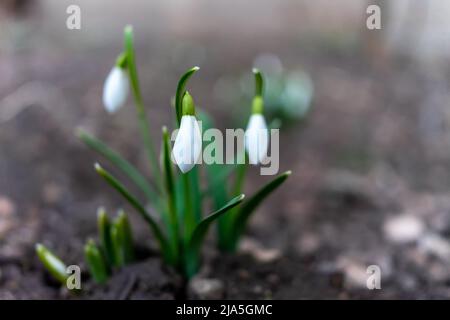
x=114 y=250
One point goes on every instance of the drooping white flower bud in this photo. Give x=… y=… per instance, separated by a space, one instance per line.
x=256 y=135
x=256 y=139
x=115 y=89
x=188 y=143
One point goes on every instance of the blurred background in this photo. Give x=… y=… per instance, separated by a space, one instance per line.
x=364 y=117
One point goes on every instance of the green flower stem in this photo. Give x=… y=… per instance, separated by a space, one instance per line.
x=189 y=217
x=259 y=82
x=258 y=102
x=140 y=109
x=170 y=190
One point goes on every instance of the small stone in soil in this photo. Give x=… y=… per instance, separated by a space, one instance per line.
x=355 y=275
x=404 y=228
x=52 y=193
x=436 y=245
x=260 y=254
x=201 y=288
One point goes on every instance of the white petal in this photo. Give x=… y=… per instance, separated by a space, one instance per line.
x=115 y=89
x=188 y=144
x=257 y=139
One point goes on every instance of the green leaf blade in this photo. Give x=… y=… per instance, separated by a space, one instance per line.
x=120 y=188
x=249 y=206
x=196 y=240
x=117 y=160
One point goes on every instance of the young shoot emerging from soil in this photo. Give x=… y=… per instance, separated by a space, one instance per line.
x=177 y=195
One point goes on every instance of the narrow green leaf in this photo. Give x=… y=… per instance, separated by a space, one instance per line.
x=104 y=232
x=95 y=262
x=116 y=159
x=198 y=236
x=52 y=263
x=248 y=207
x=139 y=208
x=181 y=89
x=170 y=191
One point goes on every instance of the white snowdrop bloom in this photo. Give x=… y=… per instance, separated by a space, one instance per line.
x=256 y=139
x=115 y=89
x=188 y=143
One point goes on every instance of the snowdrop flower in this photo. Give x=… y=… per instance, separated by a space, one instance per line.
x=116 y=87
x=257 y=135
x=188 y=143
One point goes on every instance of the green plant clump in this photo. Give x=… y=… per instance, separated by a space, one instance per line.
x=177 y=196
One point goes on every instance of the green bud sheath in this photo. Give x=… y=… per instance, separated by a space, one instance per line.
x=117 y=241
x=104 y=231
x=95 y=262
x=127 y=237
x=187 y=105
x=257 y=105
